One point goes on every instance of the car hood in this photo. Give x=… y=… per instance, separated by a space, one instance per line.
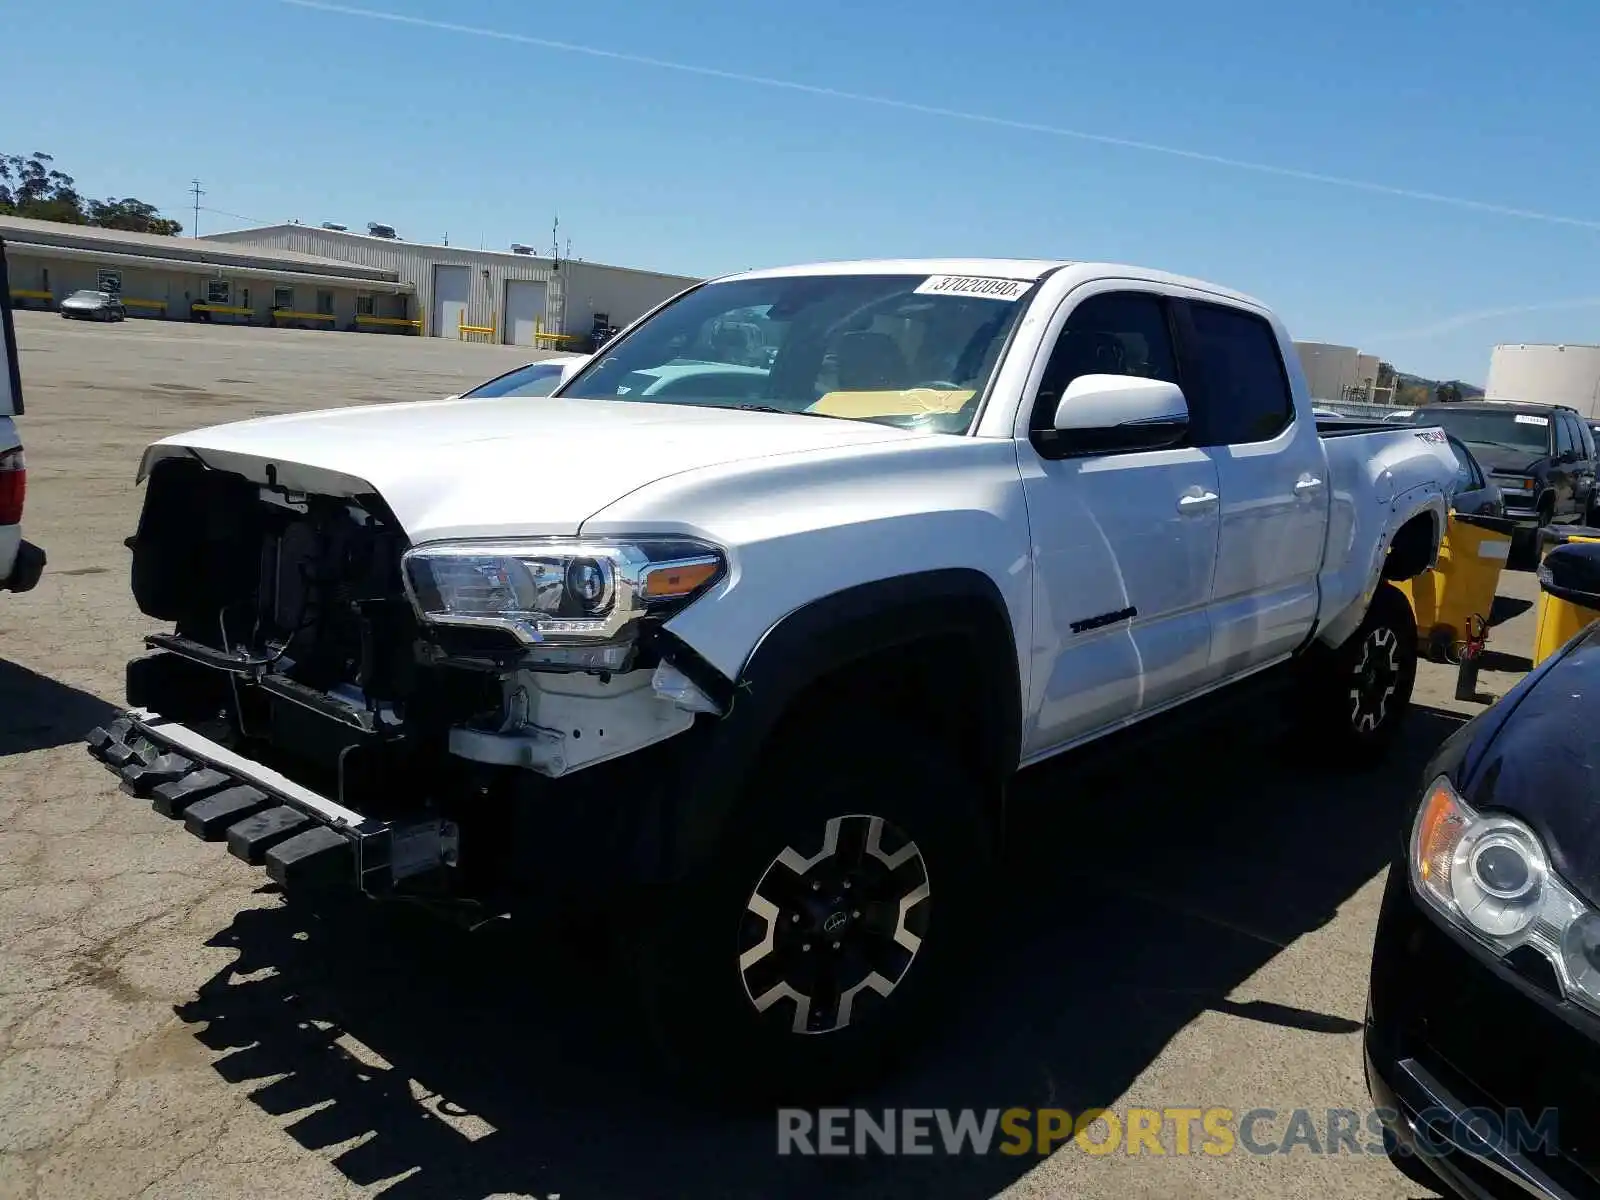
x=494 y=468
x=1542 y=763
x=81 y=302
x=1497 y=458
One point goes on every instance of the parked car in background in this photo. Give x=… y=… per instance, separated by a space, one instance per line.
x=1474 y=493
x=1484 y=1003
x=21 y=562
x=534 y=379
x=90 y=305
x=1542 y=456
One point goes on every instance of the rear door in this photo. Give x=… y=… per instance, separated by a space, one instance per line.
x=1587 y=465
x=1270 y=468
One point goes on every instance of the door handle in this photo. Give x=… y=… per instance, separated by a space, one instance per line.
x=1306 y=485
x=1197 y=502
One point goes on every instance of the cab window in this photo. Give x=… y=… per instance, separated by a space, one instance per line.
x=1114 y=333
x=1566 y=447
x=1239 y=373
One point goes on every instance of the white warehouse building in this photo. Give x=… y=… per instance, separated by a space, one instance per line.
x=511 y=295
x=1548 y=374
x=1329 y=369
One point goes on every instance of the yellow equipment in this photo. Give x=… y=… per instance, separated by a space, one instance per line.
x=1569 y=595
x=1462 y=585
x=1552 y=536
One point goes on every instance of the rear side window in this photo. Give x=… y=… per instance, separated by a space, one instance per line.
x=1239 y=369
x=1586 y=437
x=536 y=379
x=1468 y=478
x=1114 y=333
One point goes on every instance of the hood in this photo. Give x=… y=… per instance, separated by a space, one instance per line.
x=1497 y=458
x=494 y=468
x=1543 y=763
x=83 y=302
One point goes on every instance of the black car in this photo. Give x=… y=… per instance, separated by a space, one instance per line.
x=1483 y=1017
x=1542 y=456
x=1473 y=493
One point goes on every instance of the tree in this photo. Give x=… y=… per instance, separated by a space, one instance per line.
x=131 y=214
x=32 y=187
x=1447 y=393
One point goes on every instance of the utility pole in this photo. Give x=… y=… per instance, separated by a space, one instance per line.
x=194 y=186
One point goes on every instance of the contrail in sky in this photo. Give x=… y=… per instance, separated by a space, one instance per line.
x=933 y=110
x=1462 y=320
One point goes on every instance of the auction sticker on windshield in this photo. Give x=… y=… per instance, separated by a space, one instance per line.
x=973 y=285
x=1529 y=419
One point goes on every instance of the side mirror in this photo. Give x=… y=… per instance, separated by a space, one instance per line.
x=1105 y=414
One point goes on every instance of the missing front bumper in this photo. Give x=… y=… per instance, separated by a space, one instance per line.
x=305 y=841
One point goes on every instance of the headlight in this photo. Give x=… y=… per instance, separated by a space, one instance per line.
x=572 y=602
x=1490 y=876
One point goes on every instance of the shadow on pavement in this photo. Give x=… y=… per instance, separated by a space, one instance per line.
x=1494 y=660
x=37 y=712
x=1505 y=608
x=1137 y=897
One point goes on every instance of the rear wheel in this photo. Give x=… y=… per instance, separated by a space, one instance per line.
x=820 y=945
x=1359 y=693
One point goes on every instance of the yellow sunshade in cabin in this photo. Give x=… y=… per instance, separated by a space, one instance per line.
x=891 y=402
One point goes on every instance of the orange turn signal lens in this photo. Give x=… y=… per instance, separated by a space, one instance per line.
x=675 y=580
x=1441 y=822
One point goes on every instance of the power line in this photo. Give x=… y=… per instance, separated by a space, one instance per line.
x=222 y=212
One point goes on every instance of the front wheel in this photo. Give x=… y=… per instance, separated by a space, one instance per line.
x=820 y=944
x=1359 y=693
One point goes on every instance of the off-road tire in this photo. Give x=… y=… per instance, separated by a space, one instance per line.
x=692 y=943
x=1357 y=696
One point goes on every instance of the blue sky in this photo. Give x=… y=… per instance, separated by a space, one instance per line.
x=285 y=110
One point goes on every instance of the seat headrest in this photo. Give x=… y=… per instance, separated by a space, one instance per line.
x=870 y=362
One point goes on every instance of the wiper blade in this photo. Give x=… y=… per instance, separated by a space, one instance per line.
x=787 y=412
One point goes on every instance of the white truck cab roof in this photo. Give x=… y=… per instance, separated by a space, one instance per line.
x=1029 y=269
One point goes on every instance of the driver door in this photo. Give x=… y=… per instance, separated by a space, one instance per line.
x=1124 y=544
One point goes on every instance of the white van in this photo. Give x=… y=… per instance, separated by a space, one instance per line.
x=21 y=563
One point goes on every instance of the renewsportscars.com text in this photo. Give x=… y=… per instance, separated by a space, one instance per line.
x=1177 y=1131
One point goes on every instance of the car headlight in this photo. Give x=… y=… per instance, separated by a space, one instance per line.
x=570 y=602
x=1490 y=876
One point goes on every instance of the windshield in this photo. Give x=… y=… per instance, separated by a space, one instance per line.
x=535 y=379
x=907 y=350
x=1500 y=430
x=89 y=296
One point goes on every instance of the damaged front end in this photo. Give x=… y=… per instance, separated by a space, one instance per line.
x=336 y=703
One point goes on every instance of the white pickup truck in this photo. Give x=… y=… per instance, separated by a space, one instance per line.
x=21 y=562
x=749 y=639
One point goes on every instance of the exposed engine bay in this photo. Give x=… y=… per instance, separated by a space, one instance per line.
x=295 y=640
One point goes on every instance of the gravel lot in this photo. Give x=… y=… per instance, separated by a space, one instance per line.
x=1188 y=929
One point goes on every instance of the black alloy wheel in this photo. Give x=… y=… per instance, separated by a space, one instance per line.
x=829 y=933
